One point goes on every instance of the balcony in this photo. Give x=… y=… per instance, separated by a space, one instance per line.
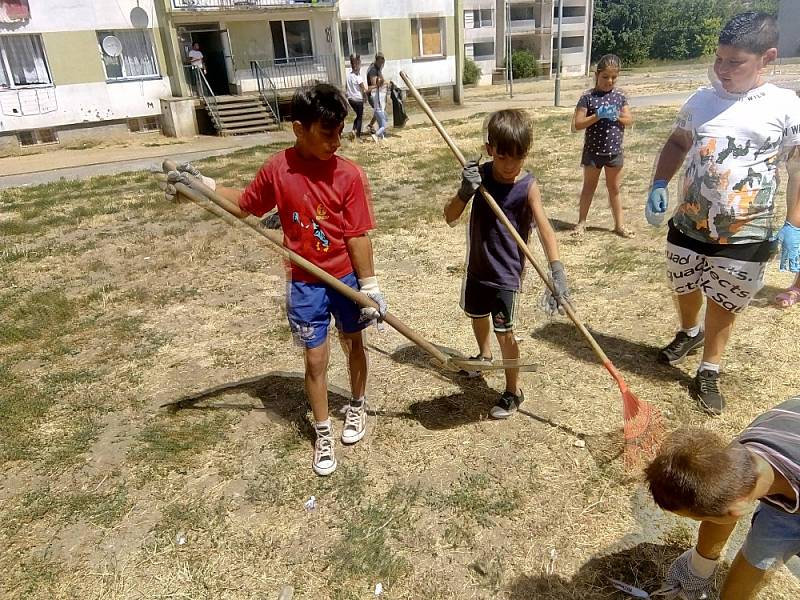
x=517 y=26
x=290 y=73
x=203 y=5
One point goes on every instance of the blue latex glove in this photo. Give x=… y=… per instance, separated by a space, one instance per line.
x=789 y=236
x=657 y=202
x=608 y=111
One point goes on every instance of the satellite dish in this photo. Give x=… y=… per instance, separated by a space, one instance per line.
x=139 y=18
x=111 y=45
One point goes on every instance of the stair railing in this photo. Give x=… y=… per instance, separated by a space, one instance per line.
x=267 y=88
x=207 y=94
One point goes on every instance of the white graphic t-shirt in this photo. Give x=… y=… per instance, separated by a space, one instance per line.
x=731 y=176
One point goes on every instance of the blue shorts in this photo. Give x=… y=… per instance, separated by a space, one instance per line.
x=310 y=306
x=774 y=537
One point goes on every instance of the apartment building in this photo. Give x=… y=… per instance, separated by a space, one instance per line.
x=56 y=79
x=70 y=67
x=491 y=26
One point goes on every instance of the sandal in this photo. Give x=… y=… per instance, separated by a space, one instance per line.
x=788 y=297
x=578 y=230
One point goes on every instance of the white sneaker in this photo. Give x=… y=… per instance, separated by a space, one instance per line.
x=355 y=423
x=324 y=459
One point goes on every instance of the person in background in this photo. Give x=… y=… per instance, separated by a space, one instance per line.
x=604 y=113
x=355 y=90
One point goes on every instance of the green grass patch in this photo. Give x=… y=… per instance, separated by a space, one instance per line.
x=174 y=441
x=22 y=408
x=365 y=550
x=64 y=506
x=38 y=314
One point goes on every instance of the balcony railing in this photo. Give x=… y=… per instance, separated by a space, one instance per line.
x=291 y=73
x=244 y=4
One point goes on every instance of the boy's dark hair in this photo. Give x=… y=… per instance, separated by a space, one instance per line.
x=753 y=31
x=321 y=102
x=509 y=132
x=609 y=61
x=696 y=471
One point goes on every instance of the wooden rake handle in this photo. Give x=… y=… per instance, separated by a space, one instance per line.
x=220 y=206
x=512 y=230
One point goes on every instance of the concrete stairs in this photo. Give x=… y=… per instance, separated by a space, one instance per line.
x=234 y=115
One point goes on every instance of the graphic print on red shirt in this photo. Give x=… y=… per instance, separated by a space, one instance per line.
x=320 y=204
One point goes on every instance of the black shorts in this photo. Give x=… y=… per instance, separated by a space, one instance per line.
x=598 y=161
x=479 y=300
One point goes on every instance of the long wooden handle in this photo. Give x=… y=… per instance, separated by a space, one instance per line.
x=504 y=220
x=223 y=208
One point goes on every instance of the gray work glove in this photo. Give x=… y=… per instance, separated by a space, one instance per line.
x=271 y=221
x=185 y=173
x=369 y=286
x=552 y=303
x=470 y=181
x=690 y=577
x=173 y=177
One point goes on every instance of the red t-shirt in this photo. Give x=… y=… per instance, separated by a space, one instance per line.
x=320 y=205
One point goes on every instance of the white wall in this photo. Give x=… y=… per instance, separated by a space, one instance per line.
x=433 y=73
x=81 y=103
x=393 y=9
x=80 y=15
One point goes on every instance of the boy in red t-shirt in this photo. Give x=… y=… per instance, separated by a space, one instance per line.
x=325 y=213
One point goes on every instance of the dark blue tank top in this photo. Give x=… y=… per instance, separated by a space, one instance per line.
x=494 y=258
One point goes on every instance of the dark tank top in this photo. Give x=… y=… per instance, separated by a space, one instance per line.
x=494 y=257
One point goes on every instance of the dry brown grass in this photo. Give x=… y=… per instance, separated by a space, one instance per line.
x=138 y=303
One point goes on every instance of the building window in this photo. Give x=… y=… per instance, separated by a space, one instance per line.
x=291 y=41
x=483 y=50
x=35 y=137
x=427 y=37
x=359 y=37
x=477 y=18
x=144 y=124
x=483 y=17
x=23 y=61
x=521 y=13
x=137 y=59
x=575 y=41
x=570 y=11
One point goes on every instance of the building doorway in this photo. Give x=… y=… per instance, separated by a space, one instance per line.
x=212 y=44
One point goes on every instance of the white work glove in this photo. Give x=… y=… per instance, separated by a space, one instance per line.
x=690 y=577
x=186 y=174
x=369 y=286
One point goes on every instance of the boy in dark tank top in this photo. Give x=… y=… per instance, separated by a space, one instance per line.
x=494 y=261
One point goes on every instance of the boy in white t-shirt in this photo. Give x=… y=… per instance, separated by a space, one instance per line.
x=733 y=135
x=355 y=88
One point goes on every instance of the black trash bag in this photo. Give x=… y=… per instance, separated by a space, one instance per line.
x=399 y=115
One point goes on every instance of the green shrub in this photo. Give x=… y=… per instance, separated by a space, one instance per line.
x=472 y=72
x=523 y=64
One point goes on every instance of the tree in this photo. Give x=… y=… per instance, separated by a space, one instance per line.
x=664 y=29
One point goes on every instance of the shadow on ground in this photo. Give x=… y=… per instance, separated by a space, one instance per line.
x=627 y=355
x=643 y=566
x=470 y=404
x=279 y=393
